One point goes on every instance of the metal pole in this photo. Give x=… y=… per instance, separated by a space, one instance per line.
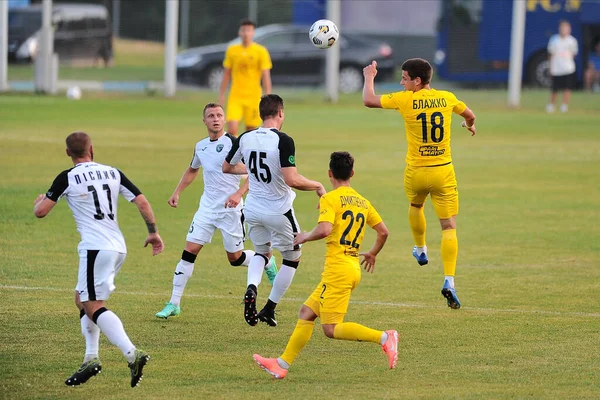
x=332 y=58
x=3 y=46
x=116 y=17
x=171 y=47
x=253 y=10
x=184 y=26
x=43 y=60
x=517 y=39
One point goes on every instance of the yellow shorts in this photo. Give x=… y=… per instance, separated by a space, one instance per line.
x=246 y=109
x=439 y=182
x=331 y=297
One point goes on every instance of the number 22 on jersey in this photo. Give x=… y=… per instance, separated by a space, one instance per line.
x=348 y=238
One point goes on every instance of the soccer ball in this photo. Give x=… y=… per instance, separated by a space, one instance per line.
x=323 y=34
x=73 y=93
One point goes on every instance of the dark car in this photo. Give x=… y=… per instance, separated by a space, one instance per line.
x=295 y=60
x=81 y=32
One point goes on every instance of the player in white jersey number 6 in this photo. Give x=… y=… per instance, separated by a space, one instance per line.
x=270 y=162
x=220 y=207
x=92 y=191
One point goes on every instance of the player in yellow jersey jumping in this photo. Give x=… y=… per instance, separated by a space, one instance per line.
x=343 y=215
x=427 y=117
x=246 y=64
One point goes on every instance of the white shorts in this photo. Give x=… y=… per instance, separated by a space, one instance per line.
x=230 y=223
x=97 y=271
x=275 y=229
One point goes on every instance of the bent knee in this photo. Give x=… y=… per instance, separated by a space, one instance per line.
x=416 y=205
x=448 y=223
x=328 y=330
x=236 y=259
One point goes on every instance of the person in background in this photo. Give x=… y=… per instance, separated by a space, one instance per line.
x=562 y=49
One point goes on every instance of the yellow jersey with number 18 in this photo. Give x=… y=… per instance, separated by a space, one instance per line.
x=427 y=117
x=246 y=65
x=349 y=213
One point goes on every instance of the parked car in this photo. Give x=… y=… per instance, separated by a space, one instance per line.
x=295 y=60
x=81 y=32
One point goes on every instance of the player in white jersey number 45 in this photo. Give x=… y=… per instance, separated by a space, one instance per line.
x=270 y=162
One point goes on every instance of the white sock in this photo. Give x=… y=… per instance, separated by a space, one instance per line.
x=183 y=272
x=282 y=283
x=421 y=250
x=283 y=364
x=91 y=333
x=112 y=327
x=450 y=280
x=255 y=270
x=383 y=339
x=249 y=254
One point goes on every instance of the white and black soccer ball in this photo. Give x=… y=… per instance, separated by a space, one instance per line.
x=74 y=93
x=323 y=34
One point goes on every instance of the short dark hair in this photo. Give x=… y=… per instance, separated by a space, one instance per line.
x=418 y=68
x=341 y=164
x=246 y=22
x=270 y=105
x=78 y=144
x=211 y=105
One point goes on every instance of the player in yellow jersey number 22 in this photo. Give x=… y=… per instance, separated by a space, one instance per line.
x=342 y=218
x=427 y=117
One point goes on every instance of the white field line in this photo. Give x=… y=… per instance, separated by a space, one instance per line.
x=298 y=300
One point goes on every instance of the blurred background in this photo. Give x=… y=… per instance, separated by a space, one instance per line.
x=101 y=42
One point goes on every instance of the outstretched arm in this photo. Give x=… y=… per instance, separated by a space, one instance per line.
x=153 y=237
x=370 y=257
x=186 y=179
x=294 y=180
x=322 y=230
x=370 y=99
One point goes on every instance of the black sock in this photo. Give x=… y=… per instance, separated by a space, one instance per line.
x=270 y=305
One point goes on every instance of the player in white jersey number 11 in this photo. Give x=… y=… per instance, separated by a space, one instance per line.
x=221 y=207
x=91 y=191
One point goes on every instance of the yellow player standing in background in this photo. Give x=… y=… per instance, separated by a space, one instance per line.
x=247 y=65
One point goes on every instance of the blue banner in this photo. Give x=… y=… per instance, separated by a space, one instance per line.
x=307 y=11
x=18 y=3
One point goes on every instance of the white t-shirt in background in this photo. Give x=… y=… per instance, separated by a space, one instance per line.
x=563 y=51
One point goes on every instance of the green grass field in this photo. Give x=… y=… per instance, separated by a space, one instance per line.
x=528 y=273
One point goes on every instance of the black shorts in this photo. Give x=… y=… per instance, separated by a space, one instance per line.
x=563 y=82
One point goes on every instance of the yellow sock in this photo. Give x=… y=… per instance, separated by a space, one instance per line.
x=352 y=331
x=298 y=340
x=449 y=251
x=416 y=217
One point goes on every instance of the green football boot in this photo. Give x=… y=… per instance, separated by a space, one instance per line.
x=170 y=310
